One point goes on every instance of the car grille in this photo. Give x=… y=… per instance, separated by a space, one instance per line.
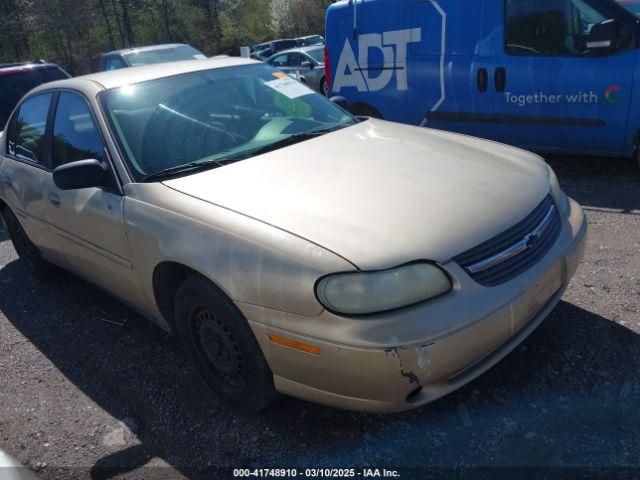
x=509 y=254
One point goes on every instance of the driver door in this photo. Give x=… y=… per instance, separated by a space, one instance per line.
x=88 y=222
x=551 y=93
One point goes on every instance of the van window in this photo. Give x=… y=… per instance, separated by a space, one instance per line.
x=75 y=135
x=550 y=27
x=27 y=136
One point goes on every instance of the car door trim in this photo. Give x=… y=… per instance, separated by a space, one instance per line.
x=518 y=119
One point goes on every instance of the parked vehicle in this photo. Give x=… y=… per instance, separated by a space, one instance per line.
x=134 y=57
x=276 y=46
x=294 y=248
x=553 y=75
x=18 y=78
x=310 y=40
x=308 y=62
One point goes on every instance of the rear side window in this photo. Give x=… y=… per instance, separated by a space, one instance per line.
x=75 y=134
x=550 y=27
x=54 y=73
x=14 y=85
x=27 y=137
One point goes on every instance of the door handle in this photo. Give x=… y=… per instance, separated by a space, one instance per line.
x=54 y=199
x=500 y=79
x=483 y=79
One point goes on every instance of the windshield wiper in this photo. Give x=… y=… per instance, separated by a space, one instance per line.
x=220 y=162
x=291 y=140
x=184 y=168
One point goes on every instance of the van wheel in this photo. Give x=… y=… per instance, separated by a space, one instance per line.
x=25 y=248
x=323 y=86
x=220 y=343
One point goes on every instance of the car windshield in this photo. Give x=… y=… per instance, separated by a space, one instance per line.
x=214 y=117
x=171 y=54
x=632 y=5
x=317 y=54
x=14 y=84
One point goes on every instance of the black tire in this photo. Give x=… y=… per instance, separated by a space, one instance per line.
x=323 y=86
x=637 y=157
x=220 y=343
x=26 y=250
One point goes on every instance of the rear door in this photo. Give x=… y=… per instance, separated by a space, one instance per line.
x=552 y=93
x=25 y=172
x=448 y=70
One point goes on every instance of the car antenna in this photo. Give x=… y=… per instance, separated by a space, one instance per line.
x=355 y=19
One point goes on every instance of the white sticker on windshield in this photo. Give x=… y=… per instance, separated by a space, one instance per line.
x=199 y=56
x=289 y=87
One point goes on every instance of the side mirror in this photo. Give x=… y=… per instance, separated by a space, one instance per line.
x=80 y=174
x=307 y=64
x=340 y=102
x=602 y=37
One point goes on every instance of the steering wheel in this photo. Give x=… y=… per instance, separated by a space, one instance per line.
x=176 y=133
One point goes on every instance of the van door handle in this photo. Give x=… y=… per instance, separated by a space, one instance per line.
x=483 y=79
x=500 y=79
x=54 y=199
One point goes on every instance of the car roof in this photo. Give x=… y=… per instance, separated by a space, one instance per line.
x=10 y=68
x=148 y=48
x=128 y=76
x=298 y=49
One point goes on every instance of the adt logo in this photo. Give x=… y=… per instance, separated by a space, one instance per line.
x=393 y=47
x=613 y=95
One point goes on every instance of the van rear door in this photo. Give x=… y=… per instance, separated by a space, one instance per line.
x=552 y=90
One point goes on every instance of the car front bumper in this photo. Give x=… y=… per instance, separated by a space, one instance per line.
x=399 y=361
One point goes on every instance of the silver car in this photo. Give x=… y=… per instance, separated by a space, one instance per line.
x=305 y=62
x=292 y=248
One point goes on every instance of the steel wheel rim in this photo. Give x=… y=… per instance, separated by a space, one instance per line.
x=217 y=348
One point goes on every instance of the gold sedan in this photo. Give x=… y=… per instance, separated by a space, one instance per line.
x=292 y=247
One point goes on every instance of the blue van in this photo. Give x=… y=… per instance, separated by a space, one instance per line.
x=545 y=75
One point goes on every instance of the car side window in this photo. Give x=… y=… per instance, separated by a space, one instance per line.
x=27 y=133
x=295 y=59
x=114 y=63
x=280 y=61
x=75 y=134
x=550 y=27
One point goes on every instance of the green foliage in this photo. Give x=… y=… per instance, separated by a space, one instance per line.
x=74 y=33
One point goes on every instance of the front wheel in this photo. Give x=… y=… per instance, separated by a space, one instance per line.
x=323 y=86
x=220 y=343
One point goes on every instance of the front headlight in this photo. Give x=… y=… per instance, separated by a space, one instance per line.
x=559 y=196
x=361 y=293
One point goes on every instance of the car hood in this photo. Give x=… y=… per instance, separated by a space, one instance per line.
x=381 y=194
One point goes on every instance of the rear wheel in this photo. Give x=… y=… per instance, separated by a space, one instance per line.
x=25 y=248
x=221 y=345
x=323 y=86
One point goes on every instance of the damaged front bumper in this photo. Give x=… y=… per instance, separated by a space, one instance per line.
x=455 y=339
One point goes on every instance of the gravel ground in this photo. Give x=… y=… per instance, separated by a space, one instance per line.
x=90 y=389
